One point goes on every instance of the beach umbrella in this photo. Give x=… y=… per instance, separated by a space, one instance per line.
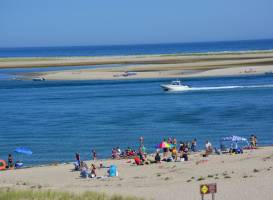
x=23 y=150
x=164 y=145
x=234 y=138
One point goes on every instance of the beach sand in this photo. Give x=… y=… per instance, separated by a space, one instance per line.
x=245 y=176
x=149 y=66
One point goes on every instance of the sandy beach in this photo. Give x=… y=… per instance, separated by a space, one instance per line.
x=244 y=176
x=149 y=66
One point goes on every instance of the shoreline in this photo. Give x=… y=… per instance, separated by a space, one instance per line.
x=202 y=151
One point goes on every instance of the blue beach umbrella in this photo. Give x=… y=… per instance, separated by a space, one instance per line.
x=23 y=150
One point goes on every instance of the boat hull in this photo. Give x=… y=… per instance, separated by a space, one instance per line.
x=168 y=87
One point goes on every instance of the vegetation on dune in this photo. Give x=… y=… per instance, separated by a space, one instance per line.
x=12 y=194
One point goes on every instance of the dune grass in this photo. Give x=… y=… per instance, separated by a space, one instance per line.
x=12 y=194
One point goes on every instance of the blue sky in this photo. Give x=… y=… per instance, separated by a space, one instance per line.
x=102 y=22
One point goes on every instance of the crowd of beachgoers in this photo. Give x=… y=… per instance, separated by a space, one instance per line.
x=171 y=152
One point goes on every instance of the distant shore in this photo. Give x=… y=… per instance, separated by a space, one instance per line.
x=234 y=175
x=149 y=66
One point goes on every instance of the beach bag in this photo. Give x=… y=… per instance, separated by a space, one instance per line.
x=113 y=171
x=137 y=161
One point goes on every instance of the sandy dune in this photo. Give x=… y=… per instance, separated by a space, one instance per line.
x=247 y=176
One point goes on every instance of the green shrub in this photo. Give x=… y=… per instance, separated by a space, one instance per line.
x=12 y=194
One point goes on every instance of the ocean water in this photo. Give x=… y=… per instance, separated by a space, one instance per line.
x=58 y=118
x=198 y=47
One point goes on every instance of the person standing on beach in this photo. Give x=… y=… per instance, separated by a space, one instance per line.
x=208 y=147
x=252 y=141
x=78 y=158
x=141 y=140
x=165 y=150
x=255 y=141
x=10 y=161
x=194 y=145
x=94 y=154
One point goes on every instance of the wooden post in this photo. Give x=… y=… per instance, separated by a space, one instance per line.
x=213 y=197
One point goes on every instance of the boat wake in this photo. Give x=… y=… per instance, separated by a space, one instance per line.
x=228 y=87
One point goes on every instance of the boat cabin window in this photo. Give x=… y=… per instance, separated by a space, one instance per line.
x=176 y=83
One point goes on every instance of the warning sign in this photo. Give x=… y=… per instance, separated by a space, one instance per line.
x=204 y=189
x=208 y=188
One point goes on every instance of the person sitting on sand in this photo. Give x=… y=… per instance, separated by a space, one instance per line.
x=130 y=152
x=185 y=153
x=114 y=153
x=142 y=157
x=93 y=173
x=85 y=172
x=157 y=157
x=118 y=151
x=181 y=148
x=174 y=153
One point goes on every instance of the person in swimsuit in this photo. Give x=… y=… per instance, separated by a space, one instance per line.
x=93 y=171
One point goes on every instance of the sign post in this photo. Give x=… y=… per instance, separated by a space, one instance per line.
x=208 y=189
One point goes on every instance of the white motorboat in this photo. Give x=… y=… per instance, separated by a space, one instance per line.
x=175 y=86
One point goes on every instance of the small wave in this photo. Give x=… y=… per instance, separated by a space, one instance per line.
x=229 y=87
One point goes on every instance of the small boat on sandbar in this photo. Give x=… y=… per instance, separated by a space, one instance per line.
x=175 y=86
x=39 y=79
